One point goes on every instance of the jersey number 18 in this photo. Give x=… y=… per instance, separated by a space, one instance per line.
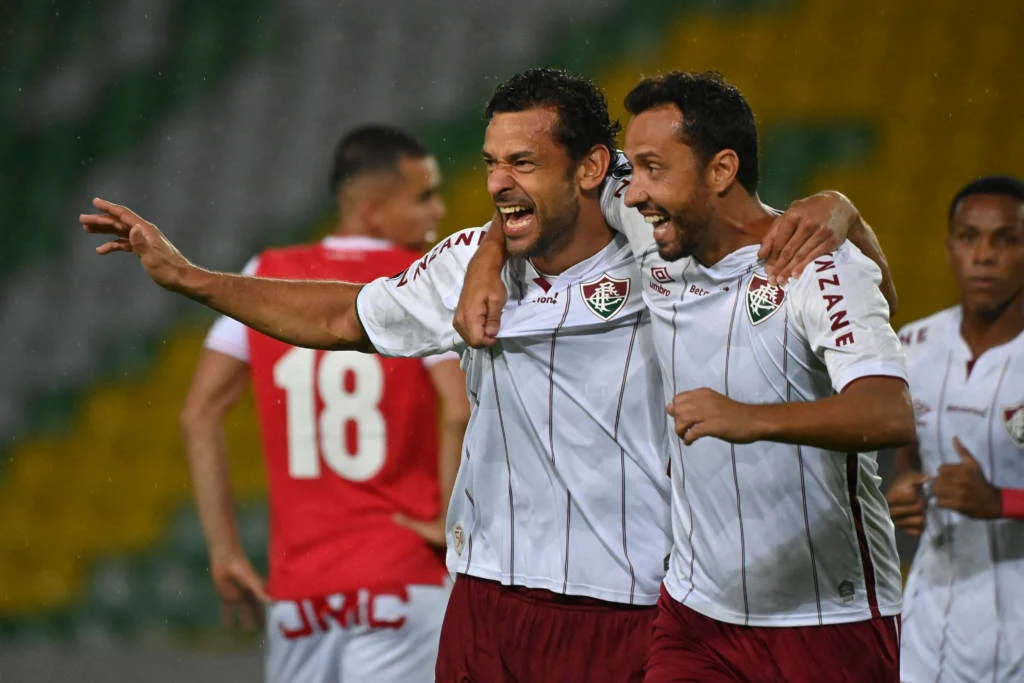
x=351 y=429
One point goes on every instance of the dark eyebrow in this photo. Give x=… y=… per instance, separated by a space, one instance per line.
x=511 y=158
x=646 y=156
x=1006 y=227
x=519 y=156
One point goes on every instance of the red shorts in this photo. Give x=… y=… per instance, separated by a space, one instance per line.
x=494 y=633
x=689 y=646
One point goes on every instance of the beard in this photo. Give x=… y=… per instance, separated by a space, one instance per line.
x=555 y=227
x=690 y=225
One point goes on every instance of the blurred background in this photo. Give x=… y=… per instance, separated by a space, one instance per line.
x=216 y=119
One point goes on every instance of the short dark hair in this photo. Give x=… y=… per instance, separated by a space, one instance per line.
x=716 y=116
x=583 y=119
x=372 y=148
x=991 y=184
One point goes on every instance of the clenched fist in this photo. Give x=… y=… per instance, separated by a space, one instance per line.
x=906 y=502
x=705 y=412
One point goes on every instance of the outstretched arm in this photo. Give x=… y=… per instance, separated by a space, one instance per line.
x=314 y=314
x=218 y=384
x=870 y=413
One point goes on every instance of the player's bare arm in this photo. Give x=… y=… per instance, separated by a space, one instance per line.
x=450 y=383
x=905 y=495
x=478 y=315
x=870 y=413
x=317 y=314
x=866 y=240
x=218 y=384
x=963 y=487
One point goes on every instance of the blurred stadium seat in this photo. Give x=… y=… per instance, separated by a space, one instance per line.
x=220 y=127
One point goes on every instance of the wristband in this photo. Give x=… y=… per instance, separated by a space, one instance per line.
x=1013 y=503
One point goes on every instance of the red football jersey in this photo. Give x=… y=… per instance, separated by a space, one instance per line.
x=349 y=439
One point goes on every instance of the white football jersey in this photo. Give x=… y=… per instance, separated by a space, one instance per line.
x=963 y=619
x=562 y=484
x=771 y=534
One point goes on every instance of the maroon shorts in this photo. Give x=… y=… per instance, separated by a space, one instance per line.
x=494 y=633
x=689 y=646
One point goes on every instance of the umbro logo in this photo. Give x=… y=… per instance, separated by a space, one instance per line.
x=660 y=274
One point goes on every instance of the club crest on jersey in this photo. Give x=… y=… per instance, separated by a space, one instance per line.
x=1014 y=420
x=605 y=296
x=763 y=299
x=459 y=539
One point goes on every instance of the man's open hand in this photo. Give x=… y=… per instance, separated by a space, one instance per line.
x=132 y=233
x=242 y=591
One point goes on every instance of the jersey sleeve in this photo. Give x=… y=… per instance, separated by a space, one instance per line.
x=227 y=335
x=620 y=217
x=410 y=314
x=845 y=318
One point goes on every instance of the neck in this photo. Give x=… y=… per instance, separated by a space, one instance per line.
x=983 y=331
x=740 y=219
x=587 y=236
x=352 y=228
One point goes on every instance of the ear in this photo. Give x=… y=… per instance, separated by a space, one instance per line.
x=593 y=167
x=369 y=213
x=720 y=173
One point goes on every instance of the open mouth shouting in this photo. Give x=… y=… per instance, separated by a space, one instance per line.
x=517 y=219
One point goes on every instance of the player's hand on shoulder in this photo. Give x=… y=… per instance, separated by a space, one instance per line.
x=963 y=487
x=134 y=234
x=809 y=228
x=478 y=315
x=705 y=412
x=906 y=502
x=242 y=590
x=431 y=531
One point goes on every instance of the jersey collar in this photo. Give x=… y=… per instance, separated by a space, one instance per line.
x=355 y=242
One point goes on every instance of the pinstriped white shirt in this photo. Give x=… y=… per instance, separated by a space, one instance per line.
x=963 y=617
x=562 y=484
x=771 y=534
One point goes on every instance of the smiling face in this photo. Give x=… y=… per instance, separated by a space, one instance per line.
x=668 y=185
x=985 y=246
x=531 y=179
